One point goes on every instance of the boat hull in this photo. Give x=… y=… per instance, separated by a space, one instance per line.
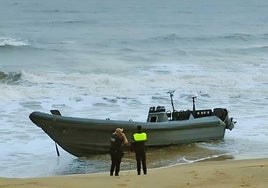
x=84 y=137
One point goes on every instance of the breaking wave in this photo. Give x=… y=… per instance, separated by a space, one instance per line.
x=11 y=42
x=10 y=77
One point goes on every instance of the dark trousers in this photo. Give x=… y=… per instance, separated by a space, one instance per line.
x=115 y=166
x=141 y=158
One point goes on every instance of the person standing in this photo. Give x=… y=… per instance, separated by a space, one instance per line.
x=118 y=139
x=139 y=139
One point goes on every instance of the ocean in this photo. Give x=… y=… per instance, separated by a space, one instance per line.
x=99 y=59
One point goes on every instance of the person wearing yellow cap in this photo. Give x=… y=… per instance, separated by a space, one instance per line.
x=118 y=139
x=139 y=139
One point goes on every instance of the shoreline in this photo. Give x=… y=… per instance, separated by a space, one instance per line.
x=223 y=173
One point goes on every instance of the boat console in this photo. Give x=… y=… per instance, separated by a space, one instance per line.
x=157 y=114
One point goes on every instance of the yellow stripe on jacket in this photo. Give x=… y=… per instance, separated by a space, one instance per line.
x=140 y=137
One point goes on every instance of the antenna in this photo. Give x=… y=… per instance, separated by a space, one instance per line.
x=194 y=103
x=171 y=98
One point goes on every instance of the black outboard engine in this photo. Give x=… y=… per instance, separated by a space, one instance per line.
x=222 y=113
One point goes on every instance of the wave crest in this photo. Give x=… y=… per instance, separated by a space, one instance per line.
x=11 y=42
x=229 y=37
x=10 y=77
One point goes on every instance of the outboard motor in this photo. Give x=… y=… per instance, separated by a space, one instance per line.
x=222 y=113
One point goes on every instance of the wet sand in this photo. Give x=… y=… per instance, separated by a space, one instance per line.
x=220 y=174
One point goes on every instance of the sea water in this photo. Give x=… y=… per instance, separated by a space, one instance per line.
x=99 y=59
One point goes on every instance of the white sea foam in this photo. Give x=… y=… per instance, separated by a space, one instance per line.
x=12 y=42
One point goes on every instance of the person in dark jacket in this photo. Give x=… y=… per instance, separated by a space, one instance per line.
x=139 y=139
x=118 y=139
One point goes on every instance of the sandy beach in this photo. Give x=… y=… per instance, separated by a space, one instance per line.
x=229 y=173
